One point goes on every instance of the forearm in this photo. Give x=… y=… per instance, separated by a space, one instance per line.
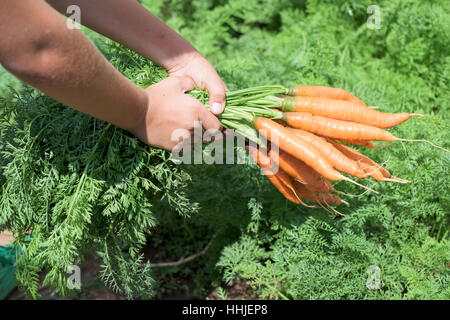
x=127 y=22
x=64 y=64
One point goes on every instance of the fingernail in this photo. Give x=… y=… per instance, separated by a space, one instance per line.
x=216 y=108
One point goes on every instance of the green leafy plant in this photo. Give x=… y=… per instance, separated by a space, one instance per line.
x=76 y=184
x=71 y=184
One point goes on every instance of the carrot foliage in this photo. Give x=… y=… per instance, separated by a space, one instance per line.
x=72 y=185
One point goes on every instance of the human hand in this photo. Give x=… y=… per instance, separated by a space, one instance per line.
x=204 y=76
x=169 y=109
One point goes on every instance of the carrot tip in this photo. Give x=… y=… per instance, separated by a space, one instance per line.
x=336 y=211
x=416 y=115
x=398 y=180
x=352 y=195
x=360 y=185
x=378 y=167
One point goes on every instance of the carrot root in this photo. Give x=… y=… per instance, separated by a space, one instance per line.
x=398 y=180
x=421 y=140
x=359 y=185
x=335 y=210
x=296 y=195
x=378 y=167
x=353 y=195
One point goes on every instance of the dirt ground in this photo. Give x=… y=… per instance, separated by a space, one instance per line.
x=93 y=288
x=5 y=238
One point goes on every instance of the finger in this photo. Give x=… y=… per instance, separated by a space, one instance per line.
x=184 y=83
x=208 y=120
x=213 y=136
x=216 y=89
x=198 y=131
x=180 y=138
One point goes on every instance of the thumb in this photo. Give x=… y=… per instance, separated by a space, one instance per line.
x=217 y=97
x=184 y=83
x=208 y=120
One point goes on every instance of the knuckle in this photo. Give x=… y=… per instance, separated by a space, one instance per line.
x=219 y=94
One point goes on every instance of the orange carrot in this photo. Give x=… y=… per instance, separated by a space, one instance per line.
x=359 y=155
x=324 y=92
x=300 y=149
x=373 y=171
x=368 y=165
x=305 y=192
x=279 y=179
x=334 y=157
x=346 y=111
x=331 y=199
x=336 y=128
x=298 y=170
x=317 y=197
x=296 y=147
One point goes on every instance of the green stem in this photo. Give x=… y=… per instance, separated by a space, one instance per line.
x=249 y=112
x=244 y=130
x=269 y=101
x=258 y=90
x=237 y=114
x=255 y=96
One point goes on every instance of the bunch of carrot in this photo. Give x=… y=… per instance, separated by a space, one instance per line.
x=308 y=129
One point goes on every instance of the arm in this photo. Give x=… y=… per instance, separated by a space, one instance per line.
x=129 y=23
x=38 y=48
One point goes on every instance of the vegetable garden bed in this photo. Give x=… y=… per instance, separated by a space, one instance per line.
x=81 y=186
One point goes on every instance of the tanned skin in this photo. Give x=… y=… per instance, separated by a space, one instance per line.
x=37 y=46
